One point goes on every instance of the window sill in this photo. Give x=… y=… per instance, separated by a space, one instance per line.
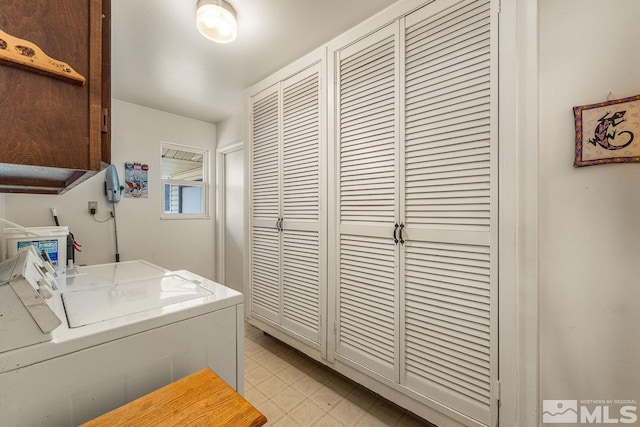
x=184 y=216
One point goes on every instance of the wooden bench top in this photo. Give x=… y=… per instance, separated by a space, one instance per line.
x=200 y=399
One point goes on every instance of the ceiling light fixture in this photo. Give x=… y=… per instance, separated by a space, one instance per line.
x=216 y=20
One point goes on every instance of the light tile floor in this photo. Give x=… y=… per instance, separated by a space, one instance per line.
x=291 y=389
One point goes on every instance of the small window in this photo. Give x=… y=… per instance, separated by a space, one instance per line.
x=184 y=179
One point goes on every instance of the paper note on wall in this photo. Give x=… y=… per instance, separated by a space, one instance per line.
x=136 y=177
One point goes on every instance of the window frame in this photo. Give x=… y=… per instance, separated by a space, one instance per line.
x=204 y=184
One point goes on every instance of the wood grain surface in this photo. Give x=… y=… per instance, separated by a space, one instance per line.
x=45 y=121
x=200 y=399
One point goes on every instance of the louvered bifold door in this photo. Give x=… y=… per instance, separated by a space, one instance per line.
x=265 y=199
x=449 y=206
x=302 y=242
x=366 y=258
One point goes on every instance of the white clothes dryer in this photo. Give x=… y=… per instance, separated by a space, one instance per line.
x=125 y=330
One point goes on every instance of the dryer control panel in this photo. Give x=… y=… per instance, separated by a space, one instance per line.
x=26 y=286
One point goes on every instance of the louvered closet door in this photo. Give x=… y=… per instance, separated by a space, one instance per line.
x=449 y=206
x=301 y=240
x=367 y=294
x=265 y=205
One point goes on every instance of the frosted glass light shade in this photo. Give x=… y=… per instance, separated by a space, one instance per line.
x=216 y=20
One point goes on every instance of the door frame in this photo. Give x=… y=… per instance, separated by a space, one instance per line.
x=519 y=330
x=221 y=192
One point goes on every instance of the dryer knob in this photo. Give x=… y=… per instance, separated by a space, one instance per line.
x=45 y=291
x=48 y=268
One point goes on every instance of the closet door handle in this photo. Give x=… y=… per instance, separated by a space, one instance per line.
x=395 y=230
x=278 y=226
x=401 y=239
x=281 y=225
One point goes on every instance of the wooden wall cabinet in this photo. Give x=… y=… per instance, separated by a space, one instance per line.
x=55 y=134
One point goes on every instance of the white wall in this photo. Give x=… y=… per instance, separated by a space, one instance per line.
x=231 y=130
x=234 y=220
x=175 y=244
x=2 y=215
x=589 y=217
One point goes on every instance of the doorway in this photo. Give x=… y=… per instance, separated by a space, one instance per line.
x=230 y=166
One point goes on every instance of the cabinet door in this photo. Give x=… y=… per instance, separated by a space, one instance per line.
x=449 y=206
x=265 y=275
x=366 y=257
x=302 y=263
x=51 y=128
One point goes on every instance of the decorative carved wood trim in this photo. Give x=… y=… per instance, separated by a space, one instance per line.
x=24 y=54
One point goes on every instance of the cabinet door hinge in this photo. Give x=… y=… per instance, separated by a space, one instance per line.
x=104 y=125
x=335 y=328
x=498 y=392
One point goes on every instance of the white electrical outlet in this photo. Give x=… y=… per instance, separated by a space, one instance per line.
x=93 y=208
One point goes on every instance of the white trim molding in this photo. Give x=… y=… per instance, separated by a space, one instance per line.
x=518 y=291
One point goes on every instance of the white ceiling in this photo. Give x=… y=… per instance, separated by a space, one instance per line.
x=159 y=59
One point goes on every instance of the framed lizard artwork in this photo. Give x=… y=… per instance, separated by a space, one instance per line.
x=608 y=132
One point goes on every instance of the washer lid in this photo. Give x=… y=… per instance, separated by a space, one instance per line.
x=88 y=306
x=90 y=276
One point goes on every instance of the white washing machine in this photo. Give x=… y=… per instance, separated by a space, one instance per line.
x=118 y=332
